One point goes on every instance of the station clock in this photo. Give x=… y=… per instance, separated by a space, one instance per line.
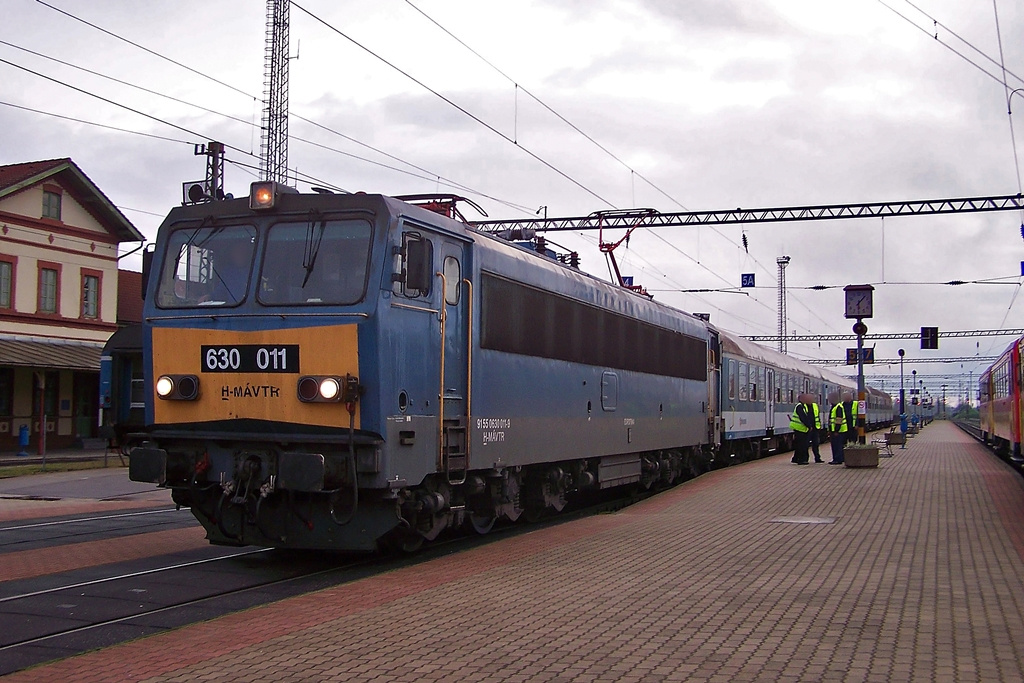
x=858 y=301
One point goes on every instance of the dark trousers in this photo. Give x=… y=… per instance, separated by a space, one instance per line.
x=815 y=440
x=838 y=439
x=800 y=443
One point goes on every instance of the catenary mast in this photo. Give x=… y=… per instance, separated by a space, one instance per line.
x=274 y=138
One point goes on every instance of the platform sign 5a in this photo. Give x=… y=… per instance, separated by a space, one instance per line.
x=746 y=280
x=867 y=353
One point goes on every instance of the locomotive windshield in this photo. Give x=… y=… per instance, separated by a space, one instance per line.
x=315 y=262
x=207 y=266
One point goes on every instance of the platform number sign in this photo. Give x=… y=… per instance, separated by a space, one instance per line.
x=868 y=354
x=746 y=280
x=929 y=337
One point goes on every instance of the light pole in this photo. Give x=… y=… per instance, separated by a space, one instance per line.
x=913 y=386
x=920 y=400
x=903 y=395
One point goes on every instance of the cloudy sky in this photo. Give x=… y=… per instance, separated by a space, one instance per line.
x=688 y=105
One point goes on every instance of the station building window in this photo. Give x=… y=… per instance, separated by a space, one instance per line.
x=91 y=293
x=51 y=396
x=6 y=392
x=51 y=204
x=49 y=288
x=7 y=264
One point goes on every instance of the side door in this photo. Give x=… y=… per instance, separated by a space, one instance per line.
x=714 y=384
x=456 y=358
x=769 y=402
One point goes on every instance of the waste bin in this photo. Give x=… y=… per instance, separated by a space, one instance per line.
x=23 y=440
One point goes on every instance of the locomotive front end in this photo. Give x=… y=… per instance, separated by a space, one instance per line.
x=255 y=383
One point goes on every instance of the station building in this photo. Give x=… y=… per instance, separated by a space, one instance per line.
x=59 y=236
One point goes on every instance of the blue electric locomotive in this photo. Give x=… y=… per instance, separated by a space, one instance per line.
x=337 y=371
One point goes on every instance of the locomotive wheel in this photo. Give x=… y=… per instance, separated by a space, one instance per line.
x=533 y=513
x=403 y=541
x=410 y=542
x=481 y=523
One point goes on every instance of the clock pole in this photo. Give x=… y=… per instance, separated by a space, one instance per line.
x=859 y=305
x=861 y=329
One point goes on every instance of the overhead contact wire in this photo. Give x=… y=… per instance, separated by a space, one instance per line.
x=454 y=104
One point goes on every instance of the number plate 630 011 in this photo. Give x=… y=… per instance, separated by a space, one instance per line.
x=250 y=358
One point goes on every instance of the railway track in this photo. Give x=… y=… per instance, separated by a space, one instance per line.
x=59 y=615
x=974 y=429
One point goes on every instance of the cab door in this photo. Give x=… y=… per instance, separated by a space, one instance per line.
x=456 y=358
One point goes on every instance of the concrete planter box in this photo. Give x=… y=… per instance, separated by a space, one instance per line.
x=862 y=456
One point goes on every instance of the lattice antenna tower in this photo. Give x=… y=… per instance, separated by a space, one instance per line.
x=274 y=139
x=783 y=261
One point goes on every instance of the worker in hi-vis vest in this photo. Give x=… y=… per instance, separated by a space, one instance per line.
x=838 y=426
x=816 y=432
x=802 y=423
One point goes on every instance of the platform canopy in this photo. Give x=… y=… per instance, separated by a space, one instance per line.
x=55 y=355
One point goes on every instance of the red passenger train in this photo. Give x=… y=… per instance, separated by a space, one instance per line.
x=1000 y=390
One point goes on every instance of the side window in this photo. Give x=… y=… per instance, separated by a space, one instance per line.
x=744 y=381
x=452 y=280
x=417 y=267
x=732 y=380
x=755 y=373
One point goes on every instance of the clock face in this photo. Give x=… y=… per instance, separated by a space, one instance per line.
x=858 y=303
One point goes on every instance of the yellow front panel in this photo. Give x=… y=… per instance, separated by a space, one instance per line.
x=331 y=350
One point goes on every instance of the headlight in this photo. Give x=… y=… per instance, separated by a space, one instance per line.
x=178 y=387
x=322 y=388
x=262 y=195
x=164 y=386
x=330 y=388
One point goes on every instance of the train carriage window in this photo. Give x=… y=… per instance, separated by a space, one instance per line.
x=744 y=381
x=206 y=266
x=732 y=380
x=315 y=262
x=452 y=280
x=754 y=382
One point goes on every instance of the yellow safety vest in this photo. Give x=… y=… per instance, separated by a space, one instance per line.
x=794 y=421
x=817 y=416
x=839 y=418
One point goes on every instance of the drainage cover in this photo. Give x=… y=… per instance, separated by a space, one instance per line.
x=797 y=519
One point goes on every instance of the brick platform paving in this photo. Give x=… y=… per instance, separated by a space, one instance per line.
x=764 y=572
x=22 y=564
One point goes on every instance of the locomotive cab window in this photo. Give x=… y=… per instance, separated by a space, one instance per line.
x=315 y=262
x=417 y=266
x=207 y=266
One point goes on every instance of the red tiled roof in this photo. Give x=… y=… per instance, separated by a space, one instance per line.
x=15 y=177
x=12 y=174
x=129 y=297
